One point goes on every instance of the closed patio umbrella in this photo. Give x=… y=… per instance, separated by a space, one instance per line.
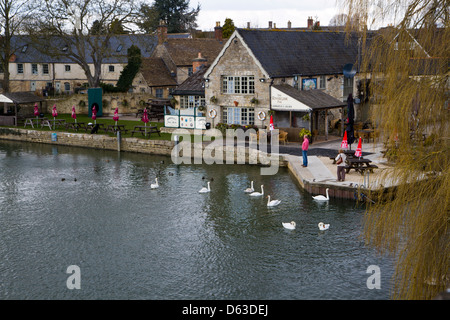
x=94 y=114
x=116 y=115
x=74 y=114
x=358 y=152
x=145 y=120
x=344 y=143
x=54 y=114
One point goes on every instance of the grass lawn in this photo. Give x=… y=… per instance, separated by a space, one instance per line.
x=129 y=125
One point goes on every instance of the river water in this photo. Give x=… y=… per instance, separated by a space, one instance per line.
x=66 y=206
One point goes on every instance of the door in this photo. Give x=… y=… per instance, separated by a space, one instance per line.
x=57 y=86
x=33 y=86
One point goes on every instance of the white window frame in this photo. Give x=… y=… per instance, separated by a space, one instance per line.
x=34 y=68
x=322 y=82
x=238 y=84
x=45 y=69
x=20 y=68
x=67 y=68
x=236 y=115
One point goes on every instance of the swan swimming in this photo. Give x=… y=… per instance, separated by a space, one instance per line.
x=155 y=185
x=258 y=194
x=323 y=226
x=272 y=203
x=289 y=225
x=321 y=197
x=250 y=190
x=204 y=189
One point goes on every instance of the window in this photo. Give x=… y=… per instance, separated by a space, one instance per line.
x=190 y=71
x=67 y=67
x=242 y=85
x=119 y=48
x=24 y=48
x=160 y=93
x=45 y=68
x=19 y=68
x=322 y=82
x=66 y=86
x=241 y=116
x=34 y=68
x=189 y=102
x=111 y=68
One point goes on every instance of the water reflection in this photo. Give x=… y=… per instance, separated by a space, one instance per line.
x=64 y=206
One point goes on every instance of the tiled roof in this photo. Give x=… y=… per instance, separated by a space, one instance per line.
x=194 y=85
x=315 y=99
x=118 y=44
x=183 y=51
x=306 y=53
x=23 y=97
x=155 y=73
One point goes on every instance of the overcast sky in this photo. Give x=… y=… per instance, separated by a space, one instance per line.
x=260 y=12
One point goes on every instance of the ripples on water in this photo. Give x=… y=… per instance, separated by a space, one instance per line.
x=95 y=209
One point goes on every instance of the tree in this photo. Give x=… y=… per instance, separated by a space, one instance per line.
x=228 y=28
x=148 y=18
x=177 y=15
x=80 y=30
x=407 y=64
x=12 y=15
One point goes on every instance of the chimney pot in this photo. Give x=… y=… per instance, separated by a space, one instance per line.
x=218 y=32
x=289 y=24
x=270 y=24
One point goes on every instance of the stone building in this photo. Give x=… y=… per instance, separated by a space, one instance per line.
x=297 y=74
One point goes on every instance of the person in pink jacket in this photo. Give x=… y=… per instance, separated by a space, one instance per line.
x=305 y=146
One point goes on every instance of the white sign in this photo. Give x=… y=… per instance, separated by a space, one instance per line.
x=200 y=123
x=187 y=122
x=171 y=121
x=283 y=102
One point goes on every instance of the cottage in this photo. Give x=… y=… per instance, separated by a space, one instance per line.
x=261 y=71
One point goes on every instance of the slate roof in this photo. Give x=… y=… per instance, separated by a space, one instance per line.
x=23 y=97
x=194 y=85
x=183 y=51
x=118 y=44
x=284 y=53
x=315 y=99
x=155 y=73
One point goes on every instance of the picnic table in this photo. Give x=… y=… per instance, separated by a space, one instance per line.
x=144 y=129
x=55 y=122
x=359 y=165
x=115 y=128
x=367 y=134
x=75 y=125
x=33 y=121
x=90 y=126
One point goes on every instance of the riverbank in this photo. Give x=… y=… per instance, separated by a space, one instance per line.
x=316 y=178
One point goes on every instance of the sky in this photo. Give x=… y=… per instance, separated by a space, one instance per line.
x=260 y=12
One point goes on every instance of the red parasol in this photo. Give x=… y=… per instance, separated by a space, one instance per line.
x=344 y=143
x=116 y=115
x=358 y=152
x=94 y=114
x=145 y=120
x=271 y=127
x=36 y=110
x=74 y=114
x=54 y=114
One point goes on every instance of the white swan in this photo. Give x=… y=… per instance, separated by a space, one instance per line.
x=250 y=190
x=258 y=194
x=272 y=203
x=155 y=185
x=205 y=190
x=289 y=225
x=323 y=226
x=321 y=197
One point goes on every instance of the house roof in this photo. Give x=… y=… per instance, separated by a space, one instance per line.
x=287 y=53
x=305 y=53
x=314 y=99
x=20 y=97
x=183 y=51
x=155 y=73
x=26 y=52
x=194 y=85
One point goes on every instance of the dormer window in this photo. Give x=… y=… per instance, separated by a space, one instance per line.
x=119 y=48
x=24 y=48
x=66 y=47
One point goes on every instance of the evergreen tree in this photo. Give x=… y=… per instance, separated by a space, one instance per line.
x=228 y=28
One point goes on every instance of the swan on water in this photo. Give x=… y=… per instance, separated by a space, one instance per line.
x=250 y=190
x=321 y=197
x=323 y=226
x=289 y=225
x=258 y=194
x=205 y=190
x=155 y=185
x=272 y=203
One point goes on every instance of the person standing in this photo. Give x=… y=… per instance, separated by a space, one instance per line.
x=305 y=146
x=340 y=160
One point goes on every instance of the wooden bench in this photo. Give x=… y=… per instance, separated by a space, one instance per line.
x=361 y=170
x=146 y=129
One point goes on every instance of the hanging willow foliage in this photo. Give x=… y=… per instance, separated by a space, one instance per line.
x=406 y=65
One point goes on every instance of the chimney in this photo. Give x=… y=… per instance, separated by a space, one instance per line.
x=289 y=24
x=218 y=32
x=270 y=24
x=162 y=32
x=248 y=25
x=310 y=23
x=198 y=62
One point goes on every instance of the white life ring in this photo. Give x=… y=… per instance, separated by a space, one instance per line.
x=213 y=113
x=262 y=115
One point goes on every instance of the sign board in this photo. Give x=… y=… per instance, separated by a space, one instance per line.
x=171 y=121
x=283 y=102
x=200 y=123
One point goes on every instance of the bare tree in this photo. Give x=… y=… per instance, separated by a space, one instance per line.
x=12 y=15
x=65 y=29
